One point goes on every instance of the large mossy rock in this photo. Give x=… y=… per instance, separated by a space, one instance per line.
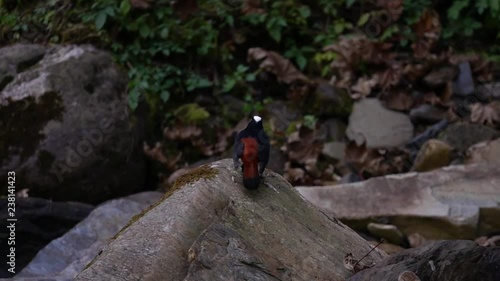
x=212 y=228
x=64 y=124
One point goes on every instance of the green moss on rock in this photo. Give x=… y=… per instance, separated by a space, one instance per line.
x=202 y=172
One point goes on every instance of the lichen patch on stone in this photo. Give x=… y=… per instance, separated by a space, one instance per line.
x=202 y=172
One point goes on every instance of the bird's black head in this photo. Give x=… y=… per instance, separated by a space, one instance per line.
x=255 y=125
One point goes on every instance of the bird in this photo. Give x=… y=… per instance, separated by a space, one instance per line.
x=252 y=147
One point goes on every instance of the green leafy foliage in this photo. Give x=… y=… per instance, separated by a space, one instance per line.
x=310 y=121
x=191 y=113
x=238 y=78
x=173 y=52
x=466 y=16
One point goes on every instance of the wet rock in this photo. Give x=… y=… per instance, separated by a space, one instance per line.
x=328 y=100
x=456 y=202
x=432 y=155
x=426 y=113
x=67 y=256
x=17 y=58
x=456 y=260
x=489 y=90
x=39 y=221
x=464 y=84
x=379 y=127
x=277 y=160
x=488 y=151
x=388 y=248
x=388 y=232
x=334 y=149
x=221 y=231
x=333 y=129
x=65 y=123
x=463 y=135
x=441 y=76
x=281 y=116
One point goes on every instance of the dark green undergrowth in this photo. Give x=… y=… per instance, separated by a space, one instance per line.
x=188 y=61
x=180 y=52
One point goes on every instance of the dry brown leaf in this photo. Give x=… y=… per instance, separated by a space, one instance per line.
x=414 y=72
x=357 y=49
x=485 y=241
x=344 y=82
x=363 y=87
x=276 y=64
x=451 y=116
x=483 y=69
x=185 y=8
x=140 y=4
x=358 y=157
x=441 y=76
x=298 y=93
x=304 y=146
x=431 y=98
x=375 y=162
x=398 y=99
x=459 y=58
x=389 y=77
x=156 y=154
x=221 y=143
x=329 y=174
x=394 y=8
x=180 y=132
x=446 y=95
x=427 y=31
x=485 y=113
x=294 y=175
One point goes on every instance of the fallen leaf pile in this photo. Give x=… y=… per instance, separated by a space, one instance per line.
x=422 y=74
x=273 y=62
x=303 y=148
x=488 y=114
x=369 y=162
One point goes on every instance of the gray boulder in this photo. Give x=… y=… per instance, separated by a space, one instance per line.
x=65 y=126
x=66 y=256
x=39 y=221
x=462 y=135
x=378 y=127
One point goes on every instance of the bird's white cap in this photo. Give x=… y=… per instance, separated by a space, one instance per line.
x=257 y=118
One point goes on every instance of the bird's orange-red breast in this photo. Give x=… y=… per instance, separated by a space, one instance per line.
x=250 y=158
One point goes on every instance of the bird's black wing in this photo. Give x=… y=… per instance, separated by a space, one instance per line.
x=264 y=148
x=238 y=148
